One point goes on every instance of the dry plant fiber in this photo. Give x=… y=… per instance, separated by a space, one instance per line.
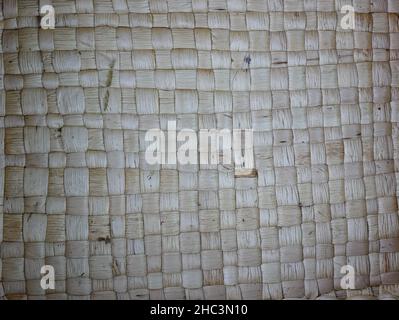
x=77 y=193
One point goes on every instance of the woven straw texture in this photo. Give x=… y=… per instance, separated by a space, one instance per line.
x=77 y=193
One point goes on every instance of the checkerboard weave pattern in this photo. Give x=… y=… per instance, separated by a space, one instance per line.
x=77 y=193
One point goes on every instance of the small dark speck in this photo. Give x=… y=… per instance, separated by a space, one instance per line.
x=105 y=239
x=283 y=141
x=247 y=60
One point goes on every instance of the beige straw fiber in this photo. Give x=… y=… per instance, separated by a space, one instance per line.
x=77 y=192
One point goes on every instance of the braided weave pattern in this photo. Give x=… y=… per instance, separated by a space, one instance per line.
x=78 y=194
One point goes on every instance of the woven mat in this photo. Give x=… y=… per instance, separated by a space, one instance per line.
x=77 y=100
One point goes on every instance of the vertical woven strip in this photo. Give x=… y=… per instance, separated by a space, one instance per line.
x=77 y=193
